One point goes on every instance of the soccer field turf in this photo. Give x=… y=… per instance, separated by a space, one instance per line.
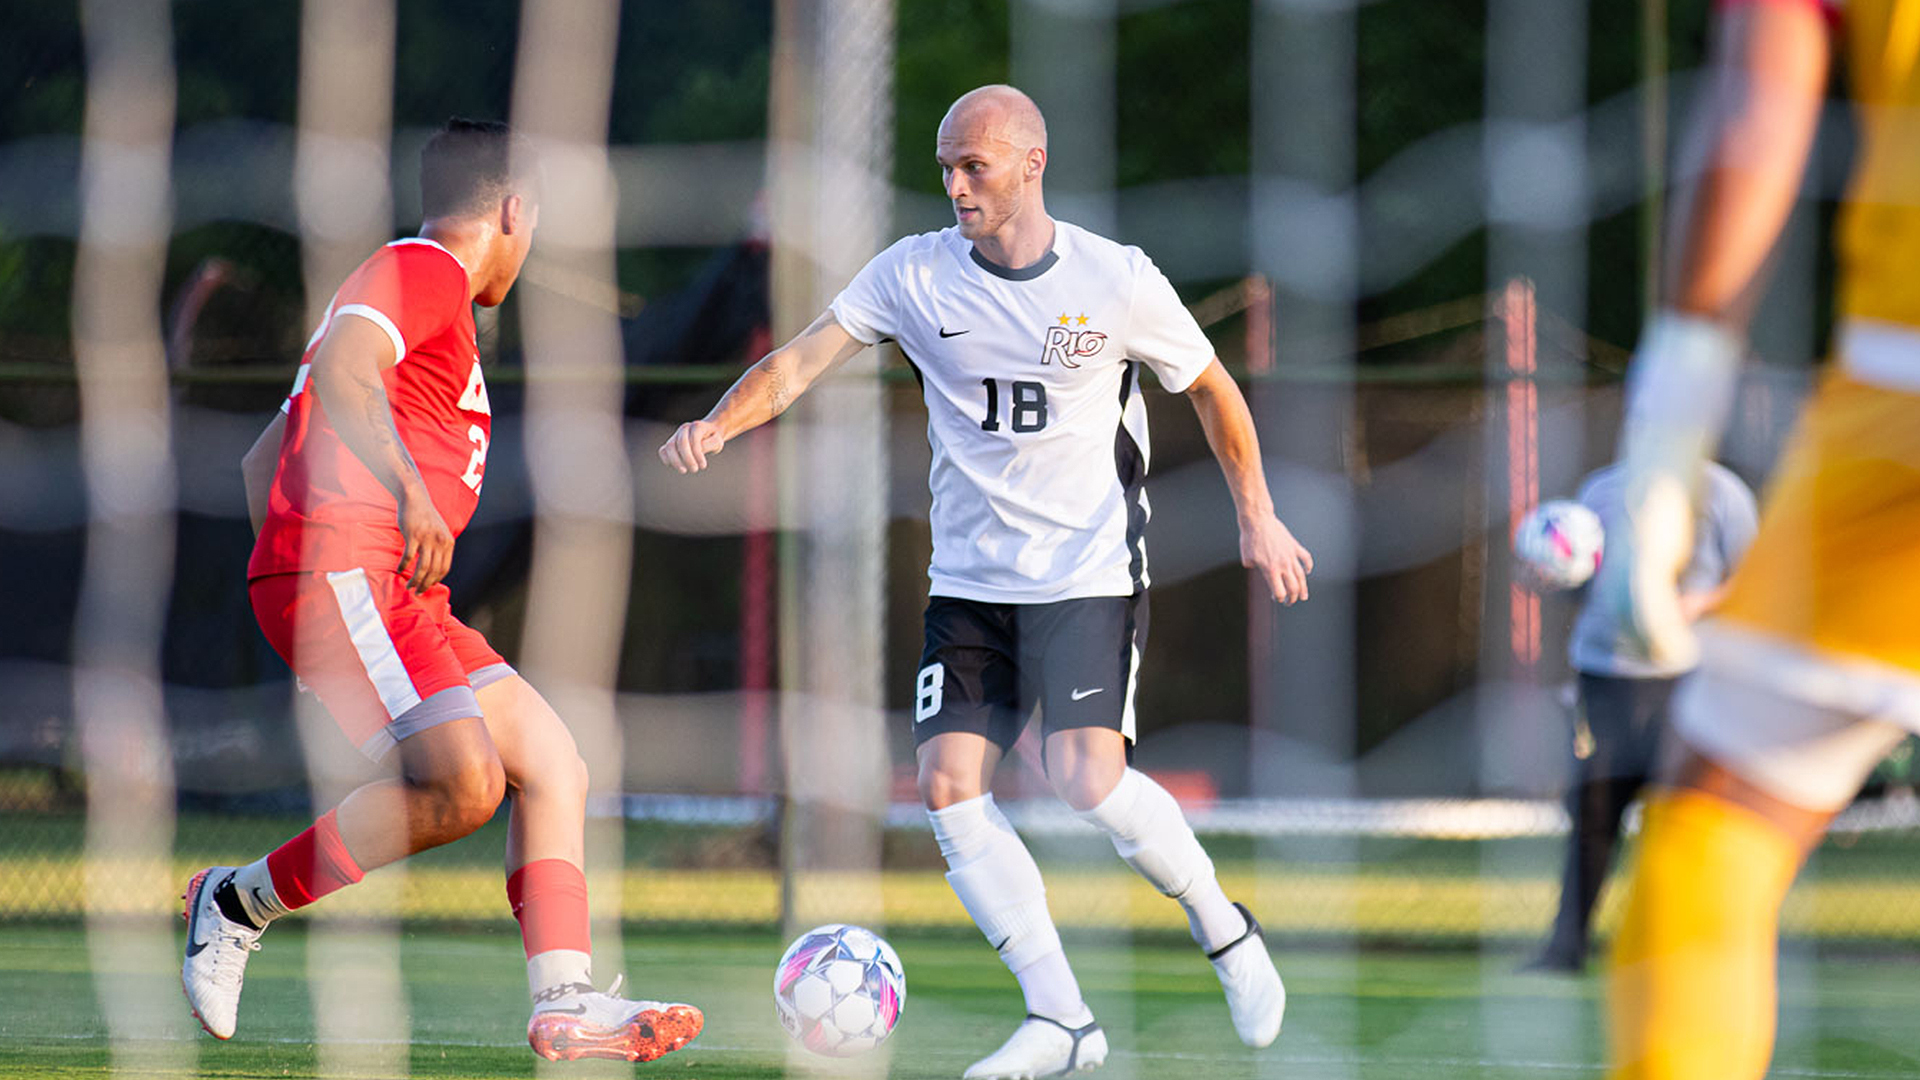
x=1367 y=1014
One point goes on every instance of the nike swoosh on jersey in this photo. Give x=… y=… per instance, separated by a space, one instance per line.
x=1079 y=694
x=944 y=332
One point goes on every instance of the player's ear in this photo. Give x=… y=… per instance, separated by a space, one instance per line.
x=514 y=214
x=1036 y=162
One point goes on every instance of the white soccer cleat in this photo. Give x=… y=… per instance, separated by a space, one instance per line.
x=576 y=1021
x=1255 y=995
x=217 y=951
x=1042 y=1047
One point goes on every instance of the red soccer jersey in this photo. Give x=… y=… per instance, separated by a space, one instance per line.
x=326 y=510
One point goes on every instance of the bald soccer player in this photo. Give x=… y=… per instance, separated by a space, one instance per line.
x=1028 y=334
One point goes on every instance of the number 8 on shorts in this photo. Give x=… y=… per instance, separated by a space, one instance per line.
x=928 y=691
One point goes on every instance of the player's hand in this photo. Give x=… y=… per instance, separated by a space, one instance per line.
x=1639 y=577
x=690 y=446
x=426 y=553
x=1680 y=388
x=1267 y=546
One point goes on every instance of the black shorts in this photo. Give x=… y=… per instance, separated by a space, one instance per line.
x=1627 y=718
x=986 y=666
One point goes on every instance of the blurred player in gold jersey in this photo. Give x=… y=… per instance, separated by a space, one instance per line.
x=1810 y=669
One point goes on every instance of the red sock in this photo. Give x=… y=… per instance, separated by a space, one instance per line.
x=549 y=897
x=313 y=864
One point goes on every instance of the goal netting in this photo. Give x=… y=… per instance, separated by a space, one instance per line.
x=1426 y=277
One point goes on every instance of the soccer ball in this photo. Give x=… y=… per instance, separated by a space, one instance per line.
x=839 y=990
x=1558 y=544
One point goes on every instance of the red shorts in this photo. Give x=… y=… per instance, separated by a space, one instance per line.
x=387 y=663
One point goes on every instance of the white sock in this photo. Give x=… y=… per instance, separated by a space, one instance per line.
x=1152 y=835
x=999 y=884
x=557 y=974
x=1052 y=991
x=253 y=885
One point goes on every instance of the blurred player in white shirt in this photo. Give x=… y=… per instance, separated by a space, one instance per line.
x=1028 y=335
x=1624 y=698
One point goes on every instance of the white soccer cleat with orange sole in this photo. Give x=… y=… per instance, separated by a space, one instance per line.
x=581 y=1022
x=216 y=957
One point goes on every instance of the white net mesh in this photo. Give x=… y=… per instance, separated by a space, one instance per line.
x=342 y=192
x=1377 y=766
x=126 y=445
x=833 y=457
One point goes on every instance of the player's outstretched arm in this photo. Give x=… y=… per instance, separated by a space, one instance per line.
x=1769 y=72
x=762 y=392
x=257 y=467
x=1768 y=76
x=1266 y=545
x=346 y=375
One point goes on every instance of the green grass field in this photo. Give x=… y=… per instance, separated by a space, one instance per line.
x=1372 y=1013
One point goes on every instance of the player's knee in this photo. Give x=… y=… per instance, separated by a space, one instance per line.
x=481 y=787
x=1078 y=791
x=1084 y=765
x=1086 y=784
x=466 y=795
x=941 y=787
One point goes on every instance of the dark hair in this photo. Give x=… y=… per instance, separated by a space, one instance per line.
x=468 y=166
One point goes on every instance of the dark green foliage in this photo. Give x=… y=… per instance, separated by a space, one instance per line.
x=698 y=71
x=694 y=71
x=1184 y=101
x=236 y=59
x=42 y=71
x=1422 y=67
x=36 y=274
x=454 y=60
x=945 y=48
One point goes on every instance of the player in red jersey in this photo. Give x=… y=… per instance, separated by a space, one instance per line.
x=358 y=489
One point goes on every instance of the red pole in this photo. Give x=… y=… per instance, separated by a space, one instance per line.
x=1517 y=311
x=1259 y=325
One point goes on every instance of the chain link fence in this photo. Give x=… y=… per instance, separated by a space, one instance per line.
x=1455 y=835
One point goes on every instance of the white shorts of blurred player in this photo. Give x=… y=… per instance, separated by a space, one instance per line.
x=1804 y=726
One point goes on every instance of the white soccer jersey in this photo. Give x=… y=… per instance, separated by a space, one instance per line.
x=1031 y=379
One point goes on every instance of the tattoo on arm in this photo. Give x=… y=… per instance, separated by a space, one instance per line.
x=380 y=425
x=778 y=396
x=761 y=393
x=373 y=399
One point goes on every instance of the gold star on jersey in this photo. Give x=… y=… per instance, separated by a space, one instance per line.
x=1069 y=346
